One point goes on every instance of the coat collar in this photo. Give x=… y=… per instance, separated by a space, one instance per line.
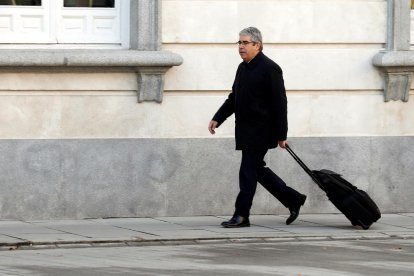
x=253 y=63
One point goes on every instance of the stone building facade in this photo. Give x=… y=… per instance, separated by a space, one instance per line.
x=111 y=120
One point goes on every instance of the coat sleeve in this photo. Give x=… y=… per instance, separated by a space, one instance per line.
x=228 y=107
x=226 y=110
x=279 y=103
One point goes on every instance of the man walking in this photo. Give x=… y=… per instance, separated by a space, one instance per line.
x=258 y=100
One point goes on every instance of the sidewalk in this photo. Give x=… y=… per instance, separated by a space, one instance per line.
x=46 y=234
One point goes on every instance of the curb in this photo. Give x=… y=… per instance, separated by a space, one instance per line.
x=191 y=241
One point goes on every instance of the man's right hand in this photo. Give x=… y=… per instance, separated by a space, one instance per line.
x=212 y=126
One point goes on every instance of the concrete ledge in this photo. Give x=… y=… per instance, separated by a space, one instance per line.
x=150 y=66
x=88 y=58
x=402 y=59
x=398 y=68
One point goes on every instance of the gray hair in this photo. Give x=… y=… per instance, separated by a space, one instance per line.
x=255 y=34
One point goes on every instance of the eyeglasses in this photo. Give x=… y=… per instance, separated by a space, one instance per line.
x=244 y=42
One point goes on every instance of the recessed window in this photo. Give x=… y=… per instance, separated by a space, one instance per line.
x=21 y=2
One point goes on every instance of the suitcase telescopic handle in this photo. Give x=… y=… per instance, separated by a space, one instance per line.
x=300 y=162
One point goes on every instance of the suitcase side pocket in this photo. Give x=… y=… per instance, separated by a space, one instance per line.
x=359 y=208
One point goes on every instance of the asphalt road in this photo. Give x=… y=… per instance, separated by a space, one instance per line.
x=334 y=258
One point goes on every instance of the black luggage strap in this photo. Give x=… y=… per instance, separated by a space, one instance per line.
x=300 y=162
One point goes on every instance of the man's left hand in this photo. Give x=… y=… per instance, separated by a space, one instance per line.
x=282 y=144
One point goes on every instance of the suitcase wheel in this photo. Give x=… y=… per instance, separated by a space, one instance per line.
x=364 y=226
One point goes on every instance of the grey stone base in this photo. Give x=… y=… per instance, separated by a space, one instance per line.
x=49 y=179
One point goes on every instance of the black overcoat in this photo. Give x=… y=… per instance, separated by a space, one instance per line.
x=258 y=100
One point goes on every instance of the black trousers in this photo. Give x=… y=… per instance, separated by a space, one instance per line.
x=252 y=170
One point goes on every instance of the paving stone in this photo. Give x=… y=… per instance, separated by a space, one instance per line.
x=347 y=237
x=280 y=239
x=178 y=242
x=144 y=243
x=17 y=228
x=7 y=239
x=398 y=220
x=141 y=224
x=212 y=241
x=108 y=244
x=192 y=222
x=255 y=240
x=185 y=234
x=312 y=238
x=74 y=245
x=92 y=230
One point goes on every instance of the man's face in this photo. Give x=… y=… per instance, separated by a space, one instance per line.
x=248 y=50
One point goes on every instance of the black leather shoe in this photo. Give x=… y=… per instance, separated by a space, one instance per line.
x=236 y=222
x=294 y=211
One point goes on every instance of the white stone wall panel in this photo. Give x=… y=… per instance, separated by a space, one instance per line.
x=314 y=68
x=186 y=115
x=52 y=81
x=293 y=21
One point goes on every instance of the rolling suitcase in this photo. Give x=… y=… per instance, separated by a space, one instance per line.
x=354 y=203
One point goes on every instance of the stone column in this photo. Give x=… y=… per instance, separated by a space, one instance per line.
x=145 y=27
x=398 y=35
